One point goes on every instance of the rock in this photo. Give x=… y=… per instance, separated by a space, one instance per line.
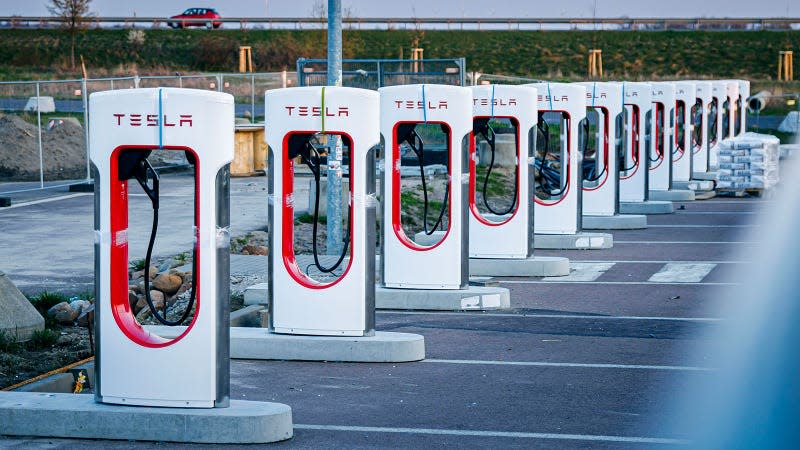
x=168 y=283
x=63 y=313
x=136 y=275
x=184 y=287
x=156 y=296
x=18 y=318
x=86 y=317
x=153 y=271
x=80 y=305
x=134 y=287
x=165 y=266
x=133 y=299
x=254 y=250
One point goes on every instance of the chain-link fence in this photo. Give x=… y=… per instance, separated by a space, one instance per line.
x=376 y=73
x=43 y=124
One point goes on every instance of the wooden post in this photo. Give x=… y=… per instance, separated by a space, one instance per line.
x=595 y=63
x=786 y=65
x=417 y=56
x=245 y=59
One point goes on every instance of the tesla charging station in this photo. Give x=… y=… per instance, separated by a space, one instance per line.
x=634 y=173
x=127 y=125
x=603 y=144
x=730 y=110
x=188 y=369
x=719 y=98
x=311 y=295
x=501 y=225
x=662 y=146
x=685 y=98
x=426 y=131
x=741 y=107
x=701 y=119
x=558 y=178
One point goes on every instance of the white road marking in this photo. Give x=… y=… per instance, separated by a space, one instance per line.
x=500 y=434
x=688 y=242
x=682 y=272
x=551 y=316
x=583 y=271
x=45 y=200
x=631 y=261
x=575 y=365
x=506 y=434
x=616 y=282
x=719 y=212
x=702 y=226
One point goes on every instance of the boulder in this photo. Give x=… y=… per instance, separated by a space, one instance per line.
x=168 y=283
x=18 y=318
x=254 y=250
x=63 y=313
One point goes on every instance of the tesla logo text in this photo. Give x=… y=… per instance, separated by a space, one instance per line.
x=151 y=120
x=316 y=111
x=658 y=92
x=554 y=99
x=600 y=95
x=496 y=101
x=417 y=104
x=631 y=94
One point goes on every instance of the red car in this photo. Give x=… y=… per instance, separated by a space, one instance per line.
x=198 y=18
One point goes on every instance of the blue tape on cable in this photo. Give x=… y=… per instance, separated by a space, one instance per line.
x=160 y=120
x=549 y=96
x=492 y=114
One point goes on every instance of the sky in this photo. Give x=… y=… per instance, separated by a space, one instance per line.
x=435 y=8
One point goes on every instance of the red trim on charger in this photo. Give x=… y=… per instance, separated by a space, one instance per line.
x=569 y=145
x=605 y=149
x=473 y=175
x=120 y=305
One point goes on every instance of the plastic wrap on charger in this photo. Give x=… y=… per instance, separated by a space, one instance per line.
x=749 y=161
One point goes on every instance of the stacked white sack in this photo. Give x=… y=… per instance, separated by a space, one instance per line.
x=749 y=161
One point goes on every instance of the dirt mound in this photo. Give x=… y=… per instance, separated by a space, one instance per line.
x=63 y=150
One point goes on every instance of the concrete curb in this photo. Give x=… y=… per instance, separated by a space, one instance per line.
x=259 y=343
x=672 y=195
x=579 y=241
x=79 y=416
x=648 y=207
x=705 y=176
x=535 y=266
x=615 y=222
x=473 y=298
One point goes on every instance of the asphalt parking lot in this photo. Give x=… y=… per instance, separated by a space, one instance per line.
x=588 y=361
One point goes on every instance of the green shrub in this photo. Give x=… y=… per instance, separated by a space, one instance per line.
x=42 y=339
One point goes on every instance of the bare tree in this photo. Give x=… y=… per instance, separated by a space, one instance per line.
x=73 y=14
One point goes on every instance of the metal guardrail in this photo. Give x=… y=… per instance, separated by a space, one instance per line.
x=377 y=73
x=624 y=23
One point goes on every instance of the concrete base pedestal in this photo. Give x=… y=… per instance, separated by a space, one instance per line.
x=615 y=222
x=694 y=185
x=672 y=195
x=579 y=241
x=474 y=298
x=648 y=207
x=704 y=195
x=709 y=176
x=536 y=266
x=259 y=343
x=78 y=416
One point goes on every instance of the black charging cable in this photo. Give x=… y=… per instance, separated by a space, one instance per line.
x=417 y=145
x=482 y=128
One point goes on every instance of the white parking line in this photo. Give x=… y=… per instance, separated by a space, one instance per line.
x=632 y=261
x=45 y=200
x=500 y=434
x=584 y=271
x=574 y=365
x=472 y=314
x=702 y=226
x=687 y=242
x=632 y=283
x=719 y=212
x=683 y=273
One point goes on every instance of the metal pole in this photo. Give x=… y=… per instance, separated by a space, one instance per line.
x=334 y=197
x=39 y=128
x=85 y=96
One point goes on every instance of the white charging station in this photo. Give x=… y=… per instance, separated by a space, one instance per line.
x=701 y=119
x=634 y=164
x=341 y=304
x=145 y=381
x=741 y=107
x=719 y=97
x=685 y=99
x=558 y=190
x=501 y=237
x=192 y=368
x=604 y=142
x=662 y=148
x=429 y=269
x=730 y=110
